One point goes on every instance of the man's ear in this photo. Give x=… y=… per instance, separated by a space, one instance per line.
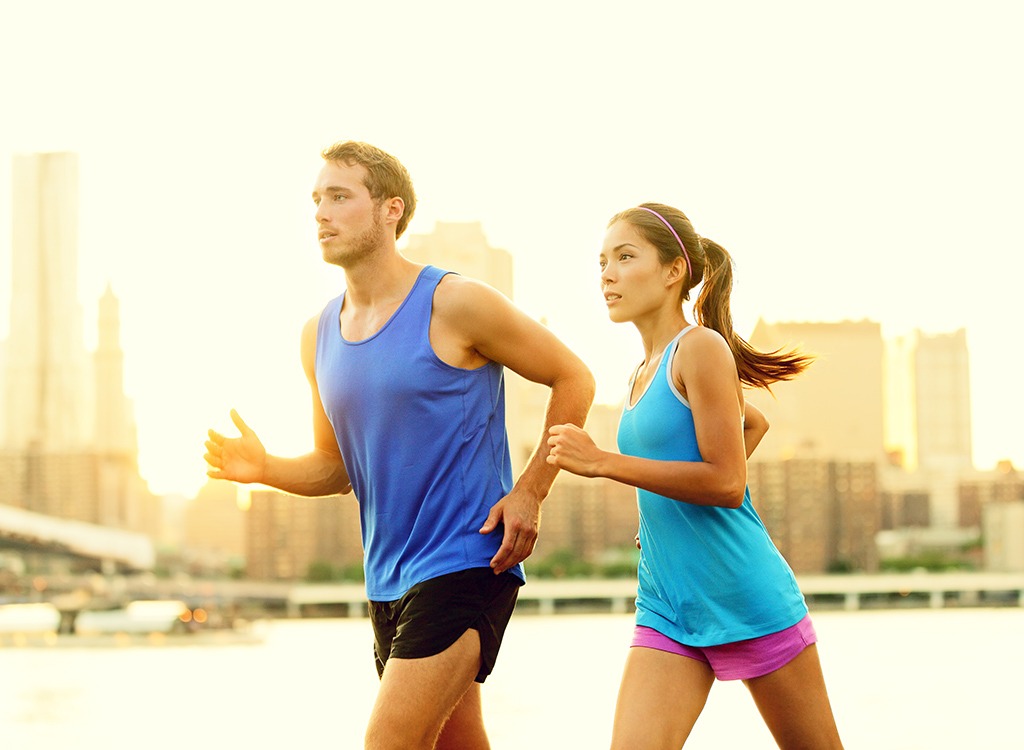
x=395 y=210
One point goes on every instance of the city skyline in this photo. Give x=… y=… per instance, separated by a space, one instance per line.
x=463 y=247
x=847 y=185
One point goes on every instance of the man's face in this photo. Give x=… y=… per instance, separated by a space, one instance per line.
x=349 y=224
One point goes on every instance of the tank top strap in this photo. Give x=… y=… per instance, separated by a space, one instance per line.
x=421 y=296
x=328 y=317
x=670 y=350
x=430 y=276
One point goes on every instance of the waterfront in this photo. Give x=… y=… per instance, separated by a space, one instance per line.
x=899 y=680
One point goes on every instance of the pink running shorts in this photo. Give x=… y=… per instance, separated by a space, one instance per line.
x=742 y=660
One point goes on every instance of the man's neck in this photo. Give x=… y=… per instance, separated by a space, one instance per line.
x=380 y=279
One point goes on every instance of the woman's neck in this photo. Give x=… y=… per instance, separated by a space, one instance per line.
x=656 y=334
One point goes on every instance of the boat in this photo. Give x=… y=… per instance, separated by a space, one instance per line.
x=162 y=622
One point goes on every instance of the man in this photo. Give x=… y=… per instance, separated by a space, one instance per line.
x=405 y=369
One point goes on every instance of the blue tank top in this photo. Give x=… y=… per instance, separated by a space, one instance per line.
x=707 y=575
x=424 y=444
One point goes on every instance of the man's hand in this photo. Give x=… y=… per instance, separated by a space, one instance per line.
x=242 y=459
x=520 y=513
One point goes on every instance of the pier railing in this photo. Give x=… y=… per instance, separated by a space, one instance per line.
x=850 y=592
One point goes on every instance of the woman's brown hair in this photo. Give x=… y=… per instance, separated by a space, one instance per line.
x=709 y=262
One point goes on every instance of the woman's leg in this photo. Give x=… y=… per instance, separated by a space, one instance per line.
x=795 y=706
x=660 y=698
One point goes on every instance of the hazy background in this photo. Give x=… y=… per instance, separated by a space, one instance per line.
x=862 y=161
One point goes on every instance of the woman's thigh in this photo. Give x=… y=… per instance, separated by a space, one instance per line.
x=660 y=698
x=795 y=705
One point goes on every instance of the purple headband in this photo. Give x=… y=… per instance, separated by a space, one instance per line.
x=686 y=256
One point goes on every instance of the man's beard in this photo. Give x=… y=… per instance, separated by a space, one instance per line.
x=360 y=248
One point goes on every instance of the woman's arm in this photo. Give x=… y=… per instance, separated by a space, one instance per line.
x=707 y=370
x=755 y=425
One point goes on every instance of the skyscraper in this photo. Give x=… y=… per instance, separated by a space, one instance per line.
x=46 y=396
x=115 y=425
x=834 y=409
x=929 y=405
x=929 y=416
x=3 y=392
x=68 y=446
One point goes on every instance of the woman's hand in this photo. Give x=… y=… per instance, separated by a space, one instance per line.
x=572 y=449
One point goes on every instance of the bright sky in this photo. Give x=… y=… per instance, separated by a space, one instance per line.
x=859 y=160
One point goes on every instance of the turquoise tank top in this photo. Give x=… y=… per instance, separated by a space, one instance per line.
x=707 y=575
x=424 y=444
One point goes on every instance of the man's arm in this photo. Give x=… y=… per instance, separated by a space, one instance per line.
x=488 y=323
x=244 y=459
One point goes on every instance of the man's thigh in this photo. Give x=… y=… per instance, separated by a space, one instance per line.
x=433 y=614
x=417 y=696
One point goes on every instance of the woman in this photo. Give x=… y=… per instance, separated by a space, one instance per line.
x=715 y=598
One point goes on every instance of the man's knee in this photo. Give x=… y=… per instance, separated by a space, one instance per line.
x=396 y=732
x=464 y=729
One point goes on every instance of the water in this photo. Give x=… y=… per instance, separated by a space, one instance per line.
x=898 y=680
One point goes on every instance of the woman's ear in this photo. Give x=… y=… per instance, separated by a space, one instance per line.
x=675 y=272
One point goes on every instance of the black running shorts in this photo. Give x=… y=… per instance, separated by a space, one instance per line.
x=434 y=614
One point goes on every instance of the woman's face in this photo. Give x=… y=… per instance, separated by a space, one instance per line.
x=633 y=279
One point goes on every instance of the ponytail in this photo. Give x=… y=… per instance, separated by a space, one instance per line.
x=755 y=368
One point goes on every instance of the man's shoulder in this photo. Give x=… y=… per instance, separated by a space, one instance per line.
x=456 y=292
x=311 y=326
x=313 y=321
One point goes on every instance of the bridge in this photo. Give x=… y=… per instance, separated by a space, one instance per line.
x=23 y=530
